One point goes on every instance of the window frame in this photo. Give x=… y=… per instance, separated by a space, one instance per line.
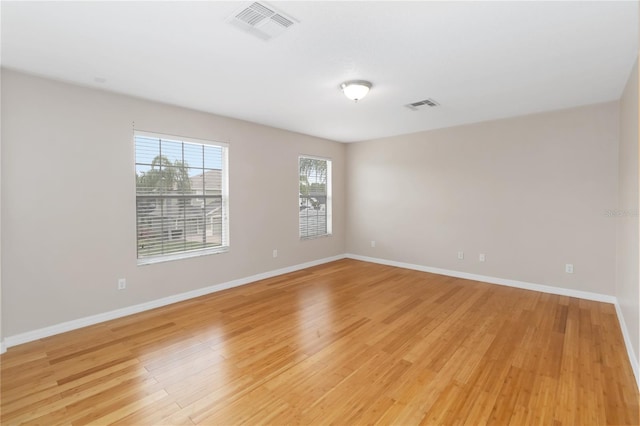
x=329 y=200
x=224 y=189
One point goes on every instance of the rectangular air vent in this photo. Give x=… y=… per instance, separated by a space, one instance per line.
x=427 y=103
x=261 y=20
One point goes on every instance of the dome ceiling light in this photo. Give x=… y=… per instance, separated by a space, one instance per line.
x=356 y=89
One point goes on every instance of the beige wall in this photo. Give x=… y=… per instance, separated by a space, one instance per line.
x=628 y=271
x=68 y=202
x=529 y=192
x=2 y=346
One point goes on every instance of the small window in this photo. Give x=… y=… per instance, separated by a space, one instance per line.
x=315 y=197
x=181 y=197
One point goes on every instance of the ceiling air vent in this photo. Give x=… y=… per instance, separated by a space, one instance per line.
x=427 y=103
x=261 y=20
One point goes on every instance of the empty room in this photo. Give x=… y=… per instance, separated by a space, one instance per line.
x=322 y=212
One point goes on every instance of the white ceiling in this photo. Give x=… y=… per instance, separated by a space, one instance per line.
x=479 y=60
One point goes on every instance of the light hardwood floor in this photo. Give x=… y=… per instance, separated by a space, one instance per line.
x=346 y=343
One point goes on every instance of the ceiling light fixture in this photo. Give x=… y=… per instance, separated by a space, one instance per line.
x=355 y=89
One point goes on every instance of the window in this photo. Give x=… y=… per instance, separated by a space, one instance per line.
x=315 y=197
x=181 y=197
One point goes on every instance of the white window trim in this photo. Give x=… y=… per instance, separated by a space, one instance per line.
x=225 y=197
x=329 y=204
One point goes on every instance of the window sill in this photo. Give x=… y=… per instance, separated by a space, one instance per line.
x=179 y=256
x=315 y=237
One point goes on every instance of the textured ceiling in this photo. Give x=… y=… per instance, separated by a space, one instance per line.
x=479 y=60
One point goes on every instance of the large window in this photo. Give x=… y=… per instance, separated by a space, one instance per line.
x=181 y=197
x=315 y=197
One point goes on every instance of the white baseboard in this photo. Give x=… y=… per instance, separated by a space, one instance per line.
x=633 y=360
x=118 y=313
x=29 y=336
x=627 y=342
x=491 y=280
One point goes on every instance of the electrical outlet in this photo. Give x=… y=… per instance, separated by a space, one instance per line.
x=122 y=284
x=481 y=257
x=568 y=268
x=373 y=243
x=460 y=255
x=275 y=252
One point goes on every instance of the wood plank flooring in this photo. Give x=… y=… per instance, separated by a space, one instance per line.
x=345 y=343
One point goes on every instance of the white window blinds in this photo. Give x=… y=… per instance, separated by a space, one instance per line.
x=181 y=197
x=314 y=197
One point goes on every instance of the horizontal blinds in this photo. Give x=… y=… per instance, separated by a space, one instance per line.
x=314 y=197
x=181 y=199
